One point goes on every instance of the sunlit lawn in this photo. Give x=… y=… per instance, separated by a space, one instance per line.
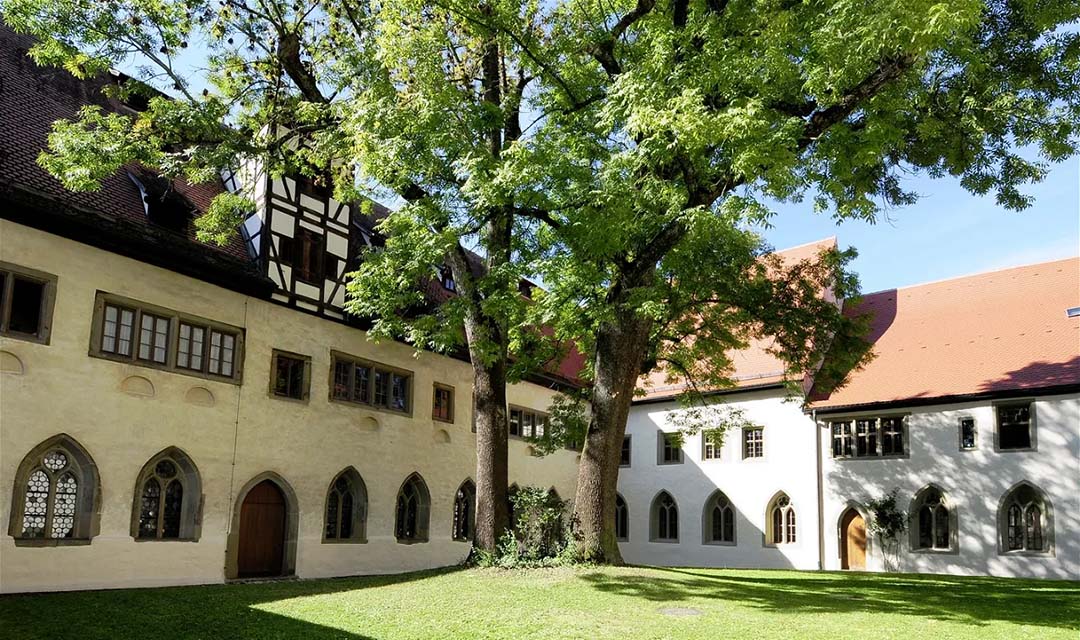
x=625 y=603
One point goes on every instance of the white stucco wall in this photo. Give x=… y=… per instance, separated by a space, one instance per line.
x=246 y=432
x=973 y=482
x=788 y=466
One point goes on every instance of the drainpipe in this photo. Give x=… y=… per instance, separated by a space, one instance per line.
x=820 y=492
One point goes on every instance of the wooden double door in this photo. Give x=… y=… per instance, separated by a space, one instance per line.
x=852 y=541
x=261 y=545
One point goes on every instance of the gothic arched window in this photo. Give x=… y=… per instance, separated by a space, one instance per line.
x=665 y=518
x=413 y=507
x=719 y=520
x=346 y=508
x=55 y=491
x=465 y=511
x=1025 y=520
x=933 y=521
x=168 y=493
x=622 y=519
x=781 y=521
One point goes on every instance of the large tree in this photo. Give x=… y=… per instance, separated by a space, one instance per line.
x=619 y=148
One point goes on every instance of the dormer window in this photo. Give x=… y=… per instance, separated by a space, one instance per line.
x=305 y=254
x=446 y=277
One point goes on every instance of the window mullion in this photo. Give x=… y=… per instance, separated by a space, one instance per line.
x=9 y=289
x=161 y=509
x=50 y=504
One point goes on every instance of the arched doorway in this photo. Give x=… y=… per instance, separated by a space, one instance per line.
x=261 y=544
x=852 y=541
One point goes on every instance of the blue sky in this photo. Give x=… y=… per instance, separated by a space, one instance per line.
x=948 y=233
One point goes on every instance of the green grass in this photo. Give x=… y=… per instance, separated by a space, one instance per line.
x=623 y=603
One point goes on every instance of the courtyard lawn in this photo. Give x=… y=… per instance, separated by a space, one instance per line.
x=624 y=603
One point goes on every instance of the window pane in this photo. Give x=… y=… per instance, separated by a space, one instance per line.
x=361 y=382
x=1014 y=427
x=289 y=377
x=527 y=424
x=110 y=328
x=381 y=380
x=26 y=298
x=228 y=345
x=149 y=505
x=515 y=422
x=399 y=397
x=624 y=455
x=967 y=433
x=153 y=337
x=342 y=371
x=63 y=512
x=215 y=352
x=189 y=353
x=36 y=505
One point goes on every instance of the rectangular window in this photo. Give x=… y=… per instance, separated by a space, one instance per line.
x=371 y=384
x=868 y=438
x=753 y=443
x=515 y=422
x=710 y=444
x=526 y=423
x=1014 y=426
x=291 y=377
x=670 y=449
x=161 y=338
x=26 y=301
x=442 y=405
x=153 y=338
x=624 y=454
x=841 y=439
x=968 y=434
x=191 y=347
x=865 y=438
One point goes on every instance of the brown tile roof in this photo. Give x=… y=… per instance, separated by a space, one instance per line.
x=991 y=332
x=753 y=366
x=31 y=99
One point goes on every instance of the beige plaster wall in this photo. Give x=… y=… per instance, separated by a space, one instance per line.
x=244 y=433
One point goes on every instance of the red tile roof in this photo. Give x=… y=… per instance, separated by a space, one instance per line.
x=31 y=99
x=991 y=332
x=753 y=366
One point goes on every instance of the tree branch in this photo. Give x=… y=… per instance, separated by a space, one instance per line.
x=604 y=51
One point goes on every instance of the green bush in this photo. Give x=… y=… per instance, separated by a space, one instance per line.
x=539 y=534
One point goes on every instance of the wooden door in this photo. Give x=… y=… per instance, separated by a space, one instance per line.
x=853 y=541
x=262 y=531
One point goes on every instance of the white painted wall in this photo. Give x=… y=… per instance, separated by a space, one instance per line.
x=974 y=483
x=788 y=466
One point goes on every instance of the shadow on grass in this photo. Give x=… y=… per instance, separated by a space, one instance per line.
x=212 y=611
x=974 y=601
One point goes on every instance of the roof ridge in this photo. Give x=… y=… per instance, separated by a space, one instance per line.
x=970 y=275
x=807 y=244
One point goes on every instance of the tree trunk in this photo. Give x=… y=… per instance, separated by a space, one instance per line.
x=620 y=349
x=489 y=418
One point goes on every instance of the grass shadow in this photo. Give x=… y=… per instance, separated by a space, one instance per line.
x=972 y=601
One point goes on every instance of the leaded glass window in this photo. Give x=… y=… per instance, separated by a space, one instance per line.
x=1025 y=520
x=50 y=498
x=934 y=521
x=345 y=508
x=666 y=518
x=782 y=515
x=464 y=511
x=622 y=519
x=161 y=502
x=410 y=522
x=721 y=516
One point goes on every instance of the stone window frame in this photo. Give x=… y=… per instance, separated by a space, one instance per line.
x=436 y=388
x=914 y=508
x=852 y=420
x=1033 y=424
x=360 y=508
x=9 y=272
x=87 y=498
x=1047 y=521
x=707 y=521
x=373 y=366
x=654 y=519
x=192 y=505
x=305 y=393
x=423 y=513
x=661 y=444
x=97 y=333
x=960 y=433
